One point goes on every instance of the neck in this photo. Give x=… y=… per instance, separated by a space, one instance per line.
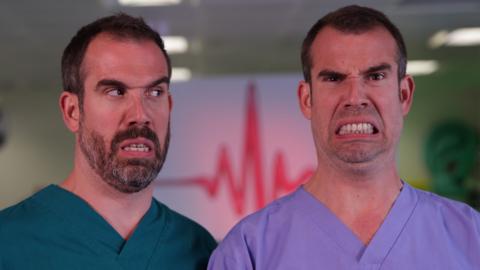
x=360 y=200
x=121 y=210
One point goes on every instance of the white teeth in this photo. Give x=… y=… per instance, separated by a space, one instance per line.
x=357 y=128
x=137 y=147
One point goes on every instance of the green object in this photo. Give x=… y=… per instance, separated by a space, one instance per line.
x=451 y=152
x=55 y=229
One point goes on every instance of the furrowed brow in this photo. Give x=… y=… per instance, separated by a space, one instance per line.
x=159 y=81
x=111 y=82
x=120 y=84
x=330 y=73
x=381 y=67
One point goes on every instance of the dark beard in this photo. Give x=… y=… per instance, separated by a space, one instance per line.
x=125 y=175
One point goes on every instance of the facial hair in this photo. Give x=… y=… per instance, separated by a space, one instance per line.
x=127 y=175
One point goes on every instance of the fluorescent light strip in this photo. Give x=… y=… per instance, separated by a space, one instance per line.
x=175 y=44
x=143 y=3
x=459 y=37
x=422 y=67
x=181 y=74
x=464 y=37
x=438 y=39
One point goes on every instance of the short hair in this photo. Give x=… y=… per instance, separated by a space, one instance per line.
x=353 y=19
x=120 y=26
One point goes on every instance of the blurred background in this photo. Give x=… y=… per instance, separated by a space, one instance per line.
x=238 y=138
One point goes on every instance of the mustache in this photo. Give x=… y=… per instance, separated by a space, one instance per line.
x=132 y=133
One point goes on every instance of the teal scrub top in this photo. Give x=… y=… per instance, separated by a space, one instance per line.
x=55 y=229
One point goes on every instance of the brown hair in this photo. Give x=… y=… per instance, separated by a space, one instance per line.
x=120 y=26
x=353 y=19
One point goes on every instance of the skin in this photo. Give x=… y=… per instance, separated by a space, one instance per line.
x=354 y=80
x=126 y=85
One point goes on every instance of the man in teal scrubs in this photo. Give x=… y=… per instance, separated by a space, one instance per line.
x=116 y=101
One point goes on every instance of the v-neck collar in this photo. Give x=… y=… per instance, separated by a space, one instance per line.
x=99 y=235
x=391 y=228
x=147 y=234
x=384 y=239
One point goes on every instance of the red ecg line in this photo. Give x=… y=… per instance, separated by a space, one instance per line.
x=251 y=163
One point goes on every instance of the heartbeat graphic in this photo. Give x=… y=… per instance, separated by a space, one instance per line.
x=251 y=163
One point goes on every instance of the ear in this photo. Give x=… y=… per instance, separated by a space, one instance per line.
x=69 y=106
x=304 y=94
x=407 y=87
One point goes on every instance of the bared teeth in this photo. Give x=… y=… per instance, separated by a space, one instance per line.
x=356 y=128
x=137 y=147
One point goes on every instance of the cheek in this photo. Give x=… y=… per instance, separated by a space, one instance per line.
x=392 y=115
x=323 y=110
x=161 y=121
x=105 y=124
x=94 y=108
x=321 y=120
x=101 y=122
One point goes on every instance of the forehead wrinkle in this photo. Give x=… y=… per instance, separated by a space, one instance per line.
x=371 y=69
x=107 y=48
x=322 y=43
x=120 y=83
x=379 y=67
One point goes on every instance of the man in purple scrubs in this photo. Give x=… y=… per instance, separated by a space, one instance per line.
x=355 y=212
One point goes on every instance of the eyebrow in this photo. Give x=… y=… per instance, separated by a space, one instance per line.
x=328 y=73
x=383 y=66
x=120 y=84
x=159 y=81
x=373 y=69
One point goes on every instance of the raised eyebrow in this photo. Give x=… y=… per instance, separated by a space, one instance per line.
x=158 y=81
x=378 y=68
x=110 y=82
x=328 y=73
x=120 y=84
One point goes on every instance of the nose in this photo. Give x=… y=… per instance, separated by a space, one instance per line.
x=355 y=96
x=138 y=112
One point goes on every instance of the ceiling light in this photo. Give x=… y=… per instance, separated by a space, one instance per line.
x=175 y=44
x=143 y=3
x=459 y=37
x=181 y=74
x=422 y=67
x=464 y=37
x=438 y=39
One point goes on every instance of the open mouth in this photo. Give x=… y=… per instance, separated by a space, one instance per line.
x=136 y=147
x=357 y=128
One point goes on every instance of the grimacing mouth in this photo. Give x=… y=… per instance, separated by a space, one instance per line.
x=357 y=128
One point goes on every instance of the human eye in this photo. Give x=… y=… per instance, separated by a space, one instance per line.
x=155 y=91
x=115 y=91
x=331 y=78
x=377 y=76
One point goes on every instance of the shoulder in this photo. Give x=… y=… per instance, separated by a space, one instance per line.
x=180 y=225
x=25 y=212
x=280 y=211
x=20 y=222
x=443 y=205
x=454 y=215
x=179 y=221
x=242 y=242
